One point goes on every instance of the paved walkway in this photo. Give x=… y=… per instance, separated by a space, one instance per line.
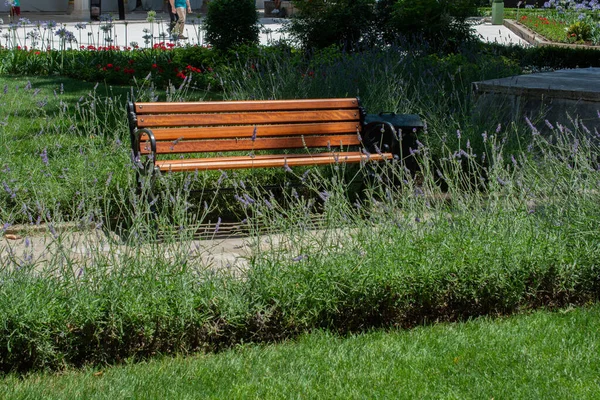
x=34 y=31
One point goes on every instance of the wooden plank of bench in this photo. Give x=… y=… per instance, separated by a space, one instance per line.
x=165 y=120
x=226 y=132
x=252 y=105
x=291 y=160
x=296 y=142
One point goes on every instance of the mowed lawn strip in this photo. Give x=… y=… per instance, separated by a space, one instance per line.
x=540 y=355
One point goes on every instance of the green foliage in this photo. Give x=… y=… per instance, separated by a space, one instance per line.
x=321 y=23
x=579 y=31
x=230 y=23
x=441 y=23
x=553 y=57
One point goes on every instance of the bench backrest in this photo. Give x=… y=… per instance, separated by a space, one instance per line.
x=222 y=126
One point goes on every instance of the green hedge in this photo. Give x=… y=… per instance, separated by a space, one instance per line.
x=548 y=57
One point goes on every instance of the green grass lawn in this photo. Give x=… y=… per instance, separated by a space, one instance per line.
x=538 y=356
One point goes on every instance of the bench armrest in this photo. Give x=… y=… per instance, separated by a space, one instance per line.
x=137 y=135
x=380 y=136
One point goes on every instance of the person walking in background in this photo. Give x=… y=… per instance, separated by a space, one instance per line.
x=15 y=9
x=277 y=8
x=173 y=17
x=179 y=7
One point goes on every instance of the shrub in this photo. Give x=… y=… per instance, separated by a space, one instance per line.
x=166 y=64
x=443 y=24
x=322 y=23
x=544 y=57
x=231 y=22
x=579 y=31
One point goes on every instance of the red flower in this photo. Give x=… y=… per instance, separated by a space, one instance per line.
x=131 y=62
x=37 y=53
x=181 y=75
x=154 y=66
x=109 y=65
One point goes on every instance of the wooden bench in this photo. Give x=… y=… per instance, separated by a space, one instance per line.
x=255 y=134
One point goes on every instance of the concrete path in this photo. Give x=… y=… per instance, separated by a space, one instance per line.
x=81 y=249
x=34 y=31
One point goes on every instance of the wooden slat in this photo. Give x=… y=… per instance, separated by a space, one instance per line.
x=237 y=106
x=225 y=163
x=225 y=132
x=247 y=118
x=296 y=142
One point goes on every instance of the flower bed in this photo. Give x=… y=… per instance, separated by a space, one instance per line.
x=565 y=22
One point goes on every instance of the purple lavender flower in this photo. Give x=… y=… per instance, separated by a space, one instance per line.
x=254 y=132
x=223 y=176
x=534 y=130
x=548 y=124
x=300 y=257
x=286 y=167
x=530 y=148
x=458 y=135
x=305 y=176
x=324 y=195
x=218 y=225
x=498 y=128
x=44 y=156
x=9 y=191
x=52 y=231
x=5 y=227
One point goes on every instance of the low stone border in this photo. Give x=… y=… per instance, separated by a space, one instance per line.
x=536 y=39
